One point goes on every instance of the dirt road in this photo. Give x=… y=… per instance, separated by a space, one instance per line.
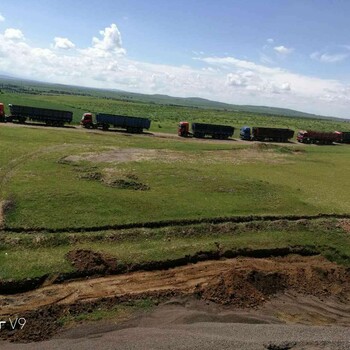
x=163 y=135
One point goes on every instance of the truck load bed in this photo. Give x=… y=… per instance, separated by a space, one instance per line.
x=271 y=134
x=213 y=130
x=48 y=116
x=318 y=137
x=131 y=124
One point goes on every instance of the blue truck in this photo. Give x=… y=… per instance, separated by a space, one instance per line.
x=44 y=115
x=265 y=134
x=105 y=121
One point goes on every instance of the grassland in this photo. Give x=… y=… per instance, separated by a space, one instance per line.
x=185 y=179
x=69 y=178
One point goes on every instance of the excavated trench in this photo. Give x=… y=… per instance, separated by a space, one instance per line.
x=88 y=263
x=240 y=282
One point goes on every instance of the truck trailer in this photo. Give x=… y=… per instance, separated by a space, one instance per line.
x=48 y=116
x=343 y=136
x=2 y=113
x=105 y=121
x=317 y=137
x=201 y=130
x=265 y=134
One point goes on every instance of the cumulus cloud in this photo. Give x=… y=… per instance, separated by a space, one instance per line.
x=111 y=41
x=329 y=58
x=13 y=34
x=63 y=43
x=2 y=18
x=283 y=50
x=246 y=78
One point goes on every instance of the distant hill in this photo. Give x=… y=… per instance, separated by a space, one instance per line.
x=13 y=84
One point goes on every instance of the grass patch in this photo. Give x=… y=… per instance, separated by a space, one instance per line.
x=33 y=255
x=118 y=313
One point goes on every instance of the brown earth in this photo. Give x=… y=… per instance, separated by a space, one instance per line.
x=345 y=224
x=94 y=262
x=241 y=283
x=255 y=153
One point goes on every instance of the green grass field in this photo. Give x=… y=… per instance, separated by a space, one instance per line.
x=59 y=178
x=185 y=179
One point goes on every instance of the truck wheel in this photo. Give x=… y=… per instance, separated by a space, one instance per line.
x=105 y=127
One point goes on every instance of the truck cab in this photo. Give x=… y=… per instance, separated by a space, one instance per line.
x=302 y=136
x=245 y=133
x=2 y=113
x=184 y=129
x=87 y=121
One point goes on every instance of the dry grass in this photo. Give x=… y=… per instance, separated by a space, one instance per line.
x=255 y=153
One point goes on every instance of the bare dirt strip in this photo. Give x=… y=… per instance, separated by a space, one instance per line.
x=244 y=283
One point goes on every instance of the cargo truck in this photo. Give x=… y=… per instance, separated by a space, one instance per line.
x=317 y=137
x=343 y=136
x=201 y=130
x=48 y=116
x=2 y=113
x=265 y=134
x=105 y=121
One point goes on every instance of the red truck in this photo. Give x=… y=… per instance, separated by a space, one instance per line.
x=2 y=113
x=317 y=137
x=343 y=136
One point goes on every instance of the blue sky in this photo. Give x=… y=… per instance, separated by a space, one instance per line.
x=293 y=54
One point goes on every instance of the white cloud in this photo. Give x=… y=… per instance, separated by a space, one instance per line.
x=2 y=18
x=63 y=43
x=13 y=34
x=329 y=58
x=254 y=82
x=286 y=87
x=111 y=41
x=270 y=41
x=228 y=79
x=283 y=50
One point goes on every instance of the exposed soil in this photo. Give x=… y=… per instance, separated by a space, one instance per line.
x=241 y=282
x=88 y=263
x=345 y=224
x=257 y=152
x=92 y=262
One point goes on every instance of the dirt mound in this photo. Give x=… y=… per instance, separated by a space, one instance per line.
x=251 y=286
x=244 y=289
x=88 y=260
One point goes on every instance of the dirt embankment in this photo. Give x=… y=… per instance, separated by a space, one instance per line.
x=88 y=263
x=240 y=282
